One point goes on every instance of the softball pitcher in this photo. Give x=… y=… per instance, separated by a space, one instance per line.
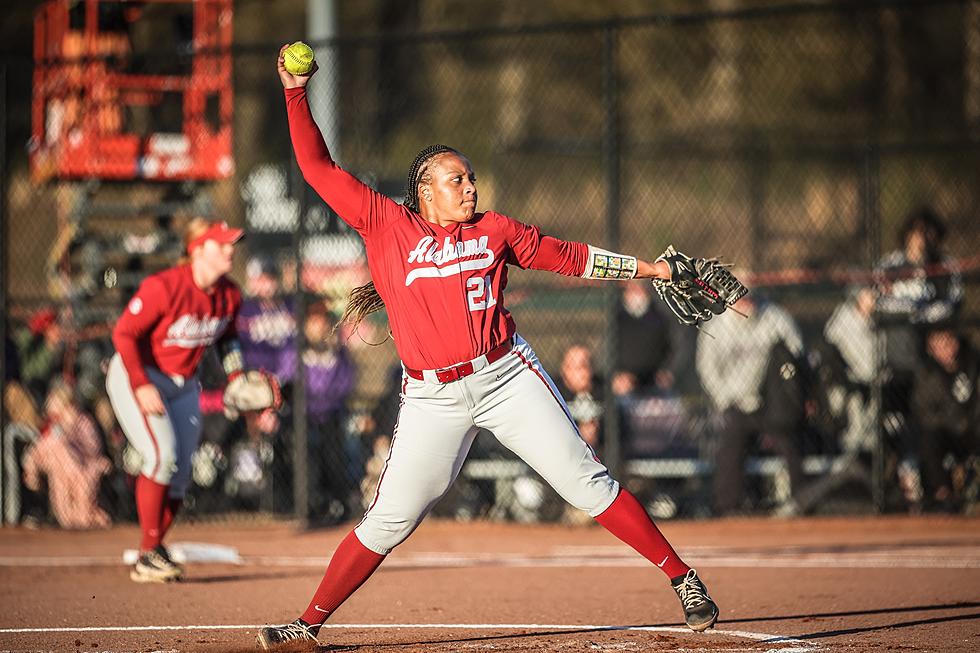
x=440 y=268
x=152 y=382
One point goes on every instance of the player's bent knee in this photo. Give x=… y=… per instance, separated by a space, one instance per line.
x=382 y=536
x=595 y=497
x=162 y=470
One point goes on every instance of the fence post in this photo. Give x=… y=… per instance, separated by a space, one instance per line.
x=612 y=451
x=301 y=497
x=872 y=230
x=759 y=183
x=3 y=277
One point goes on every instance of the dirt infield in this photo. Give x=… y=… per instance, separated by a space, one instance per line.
x=857 y=585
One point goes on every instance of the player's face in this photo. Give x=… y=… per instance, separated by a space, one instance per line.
x=915 y=246
x=451 y=196
x=217 y=257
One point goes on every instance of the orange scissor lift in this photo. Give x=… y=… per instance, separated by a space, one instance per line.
x=83 y=94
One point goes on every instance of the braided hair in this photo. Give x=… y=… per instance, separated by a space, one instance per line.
x=364 y=300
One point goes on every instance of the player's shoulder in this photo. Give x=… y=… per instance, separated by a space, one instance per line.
x=490 y=216
x=167 y=274
x=494 y=219
x=166 y=279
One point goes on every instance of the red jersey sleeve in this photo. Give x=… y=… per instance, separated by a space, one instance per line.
x=235 y=301
x=135 y=324
x=529 y=249
x=356 y=203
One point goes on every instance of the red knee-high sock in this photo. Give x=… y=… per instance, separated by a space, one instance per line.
x=627 y=520
x=150 y=497
x=352 y=564
x=170 y=510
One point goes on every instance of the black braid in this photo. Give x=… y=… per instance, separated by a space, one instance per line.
x=417 y=172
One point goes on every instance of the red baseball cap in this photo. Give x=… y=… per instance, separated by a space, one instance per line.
x=218 y=231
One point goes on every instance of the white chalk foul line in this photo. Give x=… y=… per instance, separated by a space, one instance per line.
x=454 y=560
x=798 y=644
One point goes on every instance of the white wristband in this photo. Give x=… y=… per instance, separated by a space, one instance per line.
x=602 y=264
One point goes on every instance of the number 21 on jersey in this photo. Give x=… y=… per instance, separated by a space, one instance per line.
x=479 y=293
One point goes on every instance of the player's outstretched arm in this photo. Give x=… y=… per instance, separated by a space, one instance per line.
x=655 y=270
x=603 y=264
x=356 y=203
x=537 y=251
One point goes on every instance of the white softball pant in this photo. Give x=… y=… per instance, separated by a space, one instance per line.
x=165 y=442
x=517 y=401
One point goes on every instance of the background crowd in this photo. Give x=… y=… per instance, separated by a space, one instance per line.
x=795 y=139
x=763 y=390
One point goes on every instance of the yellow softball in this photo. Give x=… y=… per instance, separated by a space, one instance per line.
x=298 y=58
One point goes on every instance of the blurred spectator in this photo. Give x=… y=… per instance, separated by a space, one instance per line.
x=653 y=349
x=18 y=405
x=582 y=391
x=335 y=461
x=377 y=429
x=373 y=467
x=945 y=407
x=40 y=348
x=850 y=331
x=920 y=286
x=266 y=325
x=22 y=423
x=843 y=365
x=385 y=413
x=69 y=454
x=90 y=363
x=750 y=368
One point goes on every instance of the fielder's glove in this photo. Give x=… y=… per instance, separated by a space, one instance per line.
x=254 y=390
x=698 y=289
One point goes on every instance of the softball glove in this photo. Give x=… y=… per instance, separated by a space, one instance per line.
x=254 y=390
x=698 y=289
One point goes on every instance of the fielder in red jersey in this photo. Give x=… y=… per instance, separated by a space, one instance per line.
x=440 y=268
x=152 y=379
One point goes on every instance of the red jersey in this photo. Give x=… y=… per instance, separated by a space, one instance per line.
x=170 y=321
x=443 y=286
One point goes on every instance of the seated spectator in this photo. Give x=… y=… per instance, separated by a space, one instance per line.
x=582 y=391
x=266 y=327
x=336 y=462
x=920 y=286
x=750 y=369
x=653 y=348
x=18 y=404
x=69 y=454
x=945 y=407
x=40 y=348
x=843 y=365
x=850 y=331
x=265 y=324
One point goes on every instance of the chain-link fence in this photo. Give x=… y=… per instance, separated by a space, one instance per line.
x=830 y=152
